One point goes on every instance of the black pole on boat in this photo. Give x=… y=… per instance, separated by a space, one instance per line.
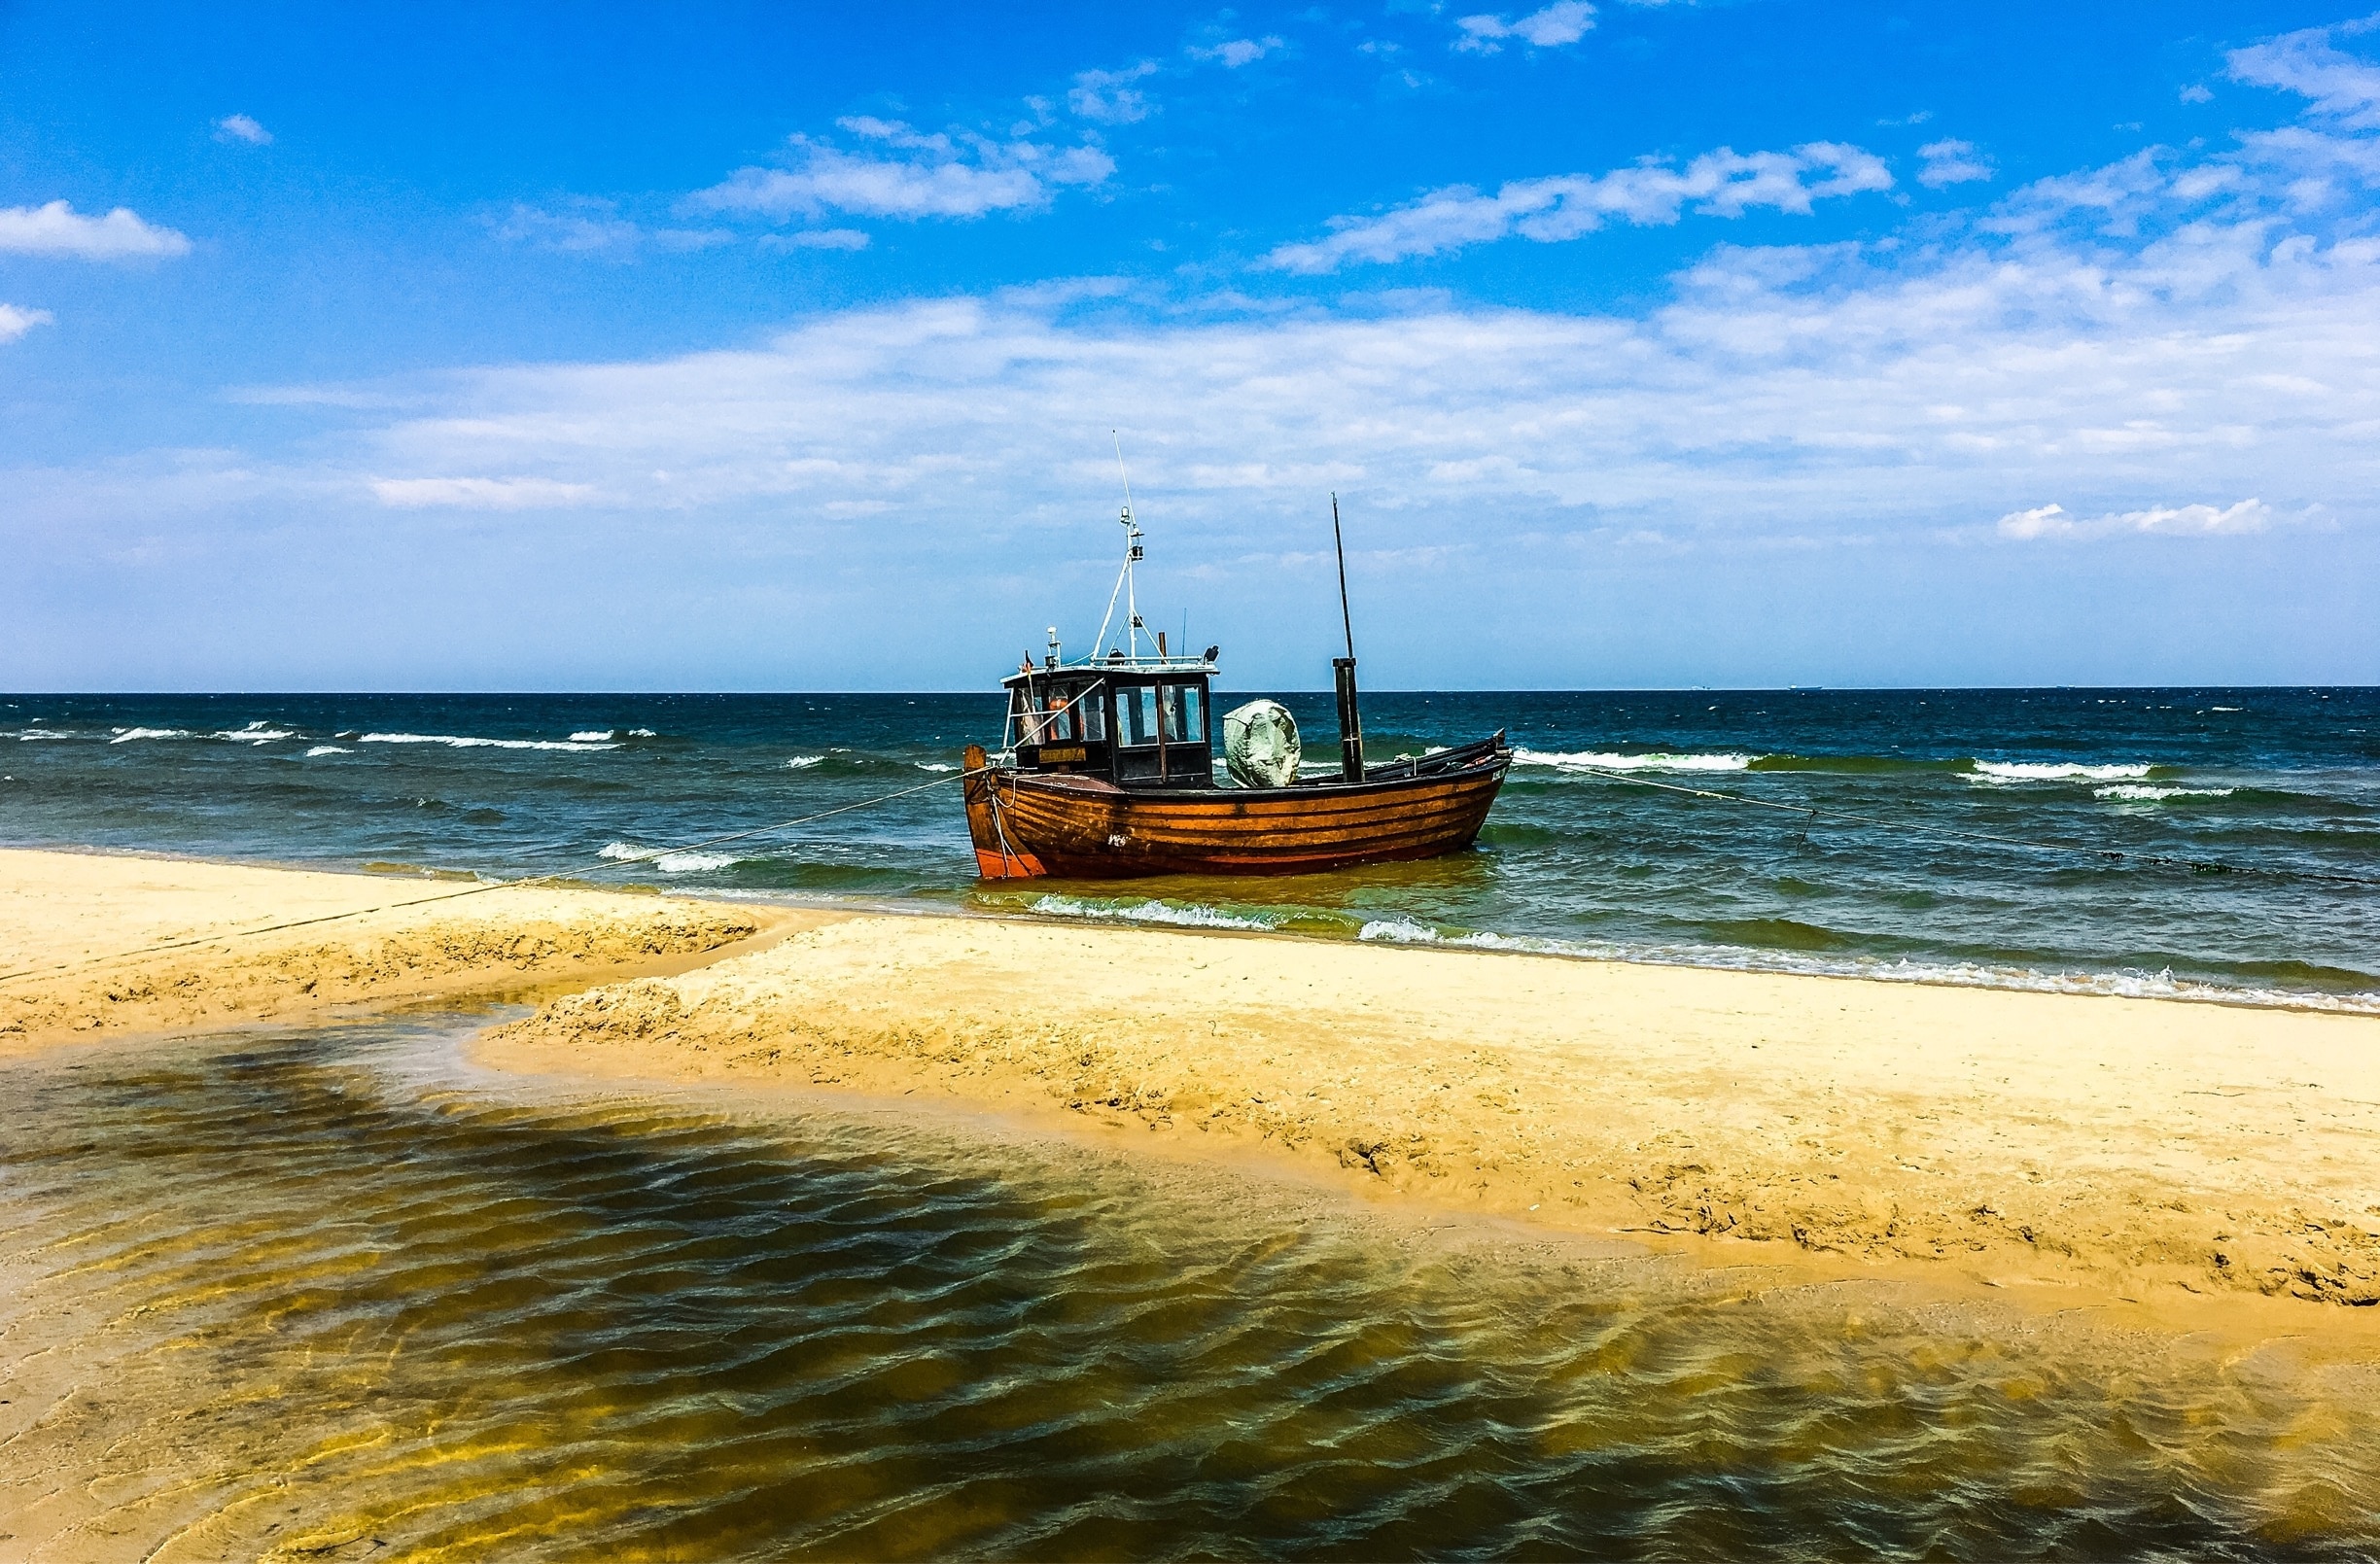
x=1343 y=671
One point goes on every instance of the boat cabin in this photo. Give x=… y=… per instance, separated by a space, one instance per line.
x=1136 y=721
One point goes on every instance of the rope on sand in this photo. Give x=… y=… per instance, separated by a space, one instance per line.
x=615 y=861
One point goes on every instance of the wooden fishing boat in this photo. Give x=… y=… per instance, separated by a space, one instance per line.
x=1107 y=771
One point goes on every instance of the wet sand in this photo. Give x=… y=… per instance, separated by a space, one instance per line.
x=68 y=920
x=2137 y=1148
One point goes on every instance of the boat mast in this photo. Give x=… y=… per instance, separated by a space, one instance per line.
x=1343 y=670
x=1125 y=586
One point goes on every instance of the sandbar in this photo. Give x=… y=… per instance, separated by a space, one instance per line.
x=2132 y=1147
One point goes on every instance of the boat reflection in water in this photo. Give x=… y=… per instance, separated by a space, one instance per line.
x=1109 y=771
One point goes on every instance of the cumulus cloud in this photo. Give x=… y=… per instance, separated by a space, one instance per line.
x=1109 y=96
x=1721 y=184
x=1239 y=51
x=481 y=494
x=1566 y=22
x=240 y=127
x=1952 y=162
x=58 y=229
x=908 y=174
x=2196 y=521
x=16 y=321
x=2339 y=85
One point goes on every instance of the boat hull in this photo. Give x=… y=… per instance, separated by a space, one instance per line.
x=1026 y=824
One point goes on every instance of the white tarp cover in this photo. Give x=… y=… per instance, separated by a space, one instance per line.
x=1260 y=744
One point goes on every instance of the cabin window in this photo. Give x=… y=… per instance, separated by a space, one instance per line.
x=1091 y=715
x=1185 y=723
x=1137 y=713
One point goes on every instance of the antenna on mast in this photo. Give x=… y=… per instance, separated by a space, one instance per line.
x=1343 y=670
x=1125 y=586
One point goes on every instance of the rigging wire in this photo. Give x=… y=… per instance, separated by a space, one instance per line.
x=1812 y=813
x=597 y=865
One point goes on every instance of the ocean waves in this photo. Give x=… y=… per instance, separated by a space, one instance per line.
x=1594 y=760
x=455 y=741
x=668 y=860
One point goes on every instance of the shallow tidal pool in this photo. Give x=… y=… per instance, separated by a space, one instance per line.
x=337 y=1294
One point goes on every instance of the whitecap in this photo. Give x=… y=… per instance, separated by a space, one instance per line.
x=461 y=742
x=327 y=749
x=2137 y=793
x=666 y=860
x=254 y=732
x=1593 y=760
x=1151 y=911
x=2014 y=771
x=641 y=733
x=932 y=765
x=592 y=736
x=127 y=735
x=30 y=734
x=803 y=762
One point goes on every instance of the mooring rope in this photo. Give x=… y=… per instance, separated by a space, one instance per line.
x=1914 y=828
x=595 y=865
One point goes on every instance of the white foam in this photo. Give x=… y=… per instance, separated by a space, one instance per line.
x=328 y=750
x=2016 y=771
x=1592 y=760
x=127 y=735
x=2136 y=794
x=665 y=862
x=2133 y=984
x=932 y=765
x=803 y=762
x=255 y=732
x=461 y=742
x=641 y=733
x=30 y=734
x=593 y=736
x=1152 y=911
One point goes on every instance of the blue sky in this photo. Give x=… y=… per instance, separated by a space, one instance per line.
x=771 y=347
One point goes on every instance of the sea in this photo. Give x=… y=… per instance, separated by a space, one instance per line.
x=335 y=1291
x=2218 y=844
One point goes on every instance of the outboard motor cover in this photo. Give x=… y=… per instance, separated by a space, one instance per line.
x=1260 y=744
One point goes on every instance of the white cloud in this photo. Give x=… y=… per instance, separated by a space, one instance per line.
x=1721 y=184
x=1109 y=96
x=1952 y=162
x=914 y=175
x=2340 y=84
x=16 y=321
x=58 y=229
x=2194 y=521
x=816 y=239
x=2197 y=93
x=1566 y=22
x=479 y=494
x=240 y=127
x=1239 y=51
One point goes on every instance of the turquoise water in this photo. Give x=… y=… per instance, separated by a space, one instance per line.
x=2284 y=783
x=338 y=1295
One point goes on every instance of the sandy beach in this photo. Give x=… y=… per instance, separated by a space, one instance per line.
x=2132 y=1146
x=69 y=919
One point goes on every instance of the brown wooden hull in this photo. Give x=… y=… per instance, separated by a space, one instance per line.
x=1027 y=823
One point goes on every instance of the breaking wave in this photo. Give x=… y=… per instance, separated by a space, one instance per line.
x=668 y=862
x=328 y=750
x=127 y=735
x=2141 y=793
x=2023 y=771
x=1593 y=760
x=464 y=741
x=1192 y=915
x=254 y=732
x=803 y=762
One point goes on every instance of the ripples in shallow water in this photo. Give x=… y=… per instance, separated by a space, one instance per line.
x=335 y=1296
